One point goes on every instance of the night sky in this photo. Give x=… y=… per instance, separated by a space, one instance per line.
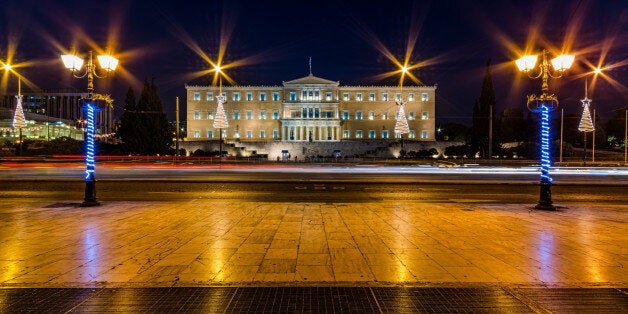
x=272 y=41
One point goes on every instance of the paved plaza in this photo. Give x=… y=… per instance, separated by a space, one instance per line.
x=226 y=243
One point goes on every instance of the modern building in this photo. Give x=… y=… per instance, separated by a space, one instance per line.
x=310 y=110
x=60 y=113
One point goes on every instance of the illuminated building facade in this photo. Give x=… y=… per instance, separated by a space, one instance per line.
x=311 y=110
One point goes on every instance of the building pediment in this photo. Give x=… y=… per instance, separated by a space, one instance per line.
x=310 y=80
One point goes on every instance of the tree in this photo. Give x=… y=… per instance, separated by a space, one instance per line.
x=144 y=127
x=513 y=126
x=483 y=109
x=454 y=132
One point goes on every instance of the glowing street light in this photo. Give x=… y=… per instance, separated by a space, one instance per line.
x=543 y=104
x=74 y=64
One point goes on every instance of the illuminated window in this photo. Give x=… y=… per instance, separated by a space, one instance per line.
x=411 y=115
x=275 y=133
x=249 y=96
x=371 y=115
x=249 y=114
x=345 y=96
x=197 y=96
x=371 y=96
x=236 y=133
x=293 y=96
x=275 y=96
x=412 y=134
x=424 y=115
x=210 y=134
x=384 y=133
x=358 y=115
x=197 y=114
x=209 y=96
x=346 y=133
x=262 y=114
x=410 y=96
x=371 y=133
x=384 y=115
x=262 y=96
x=236 y=96
x=385 y=96
x=210 y=114
x=424 y=97
x=197 y=133
x=423 y=134
x=262 y=133
x=345 y=115
x=275 y=114
x=397 y=96
x=358 y=133
x=358 y=96
x=328 y=96
x=236 y=115
x=249 y=134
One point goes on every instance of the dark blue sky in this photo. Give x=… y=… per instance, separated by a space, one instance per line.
x=278 y=37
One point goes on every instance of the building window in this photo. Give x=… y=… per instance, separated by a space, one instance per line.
x=412 y=134
x=317 y=113
x=262 y=96
x=424 y=134
x=371 y=96
x=384 y=115
x=358 y=96
x=345 y=115
x=293 y=96
x=210 y=114
x=197 y=133
x=345 y=96
x=385 y=96
x=410 y=96
x=210 y=134
x=411 y=115
x=397 y=96
x=197 y=114
x=358 y=133
x=384 y=133
x=249 y=134
x=249 y=114
x=303 y=113
x=424 y=115
x=236 y=96
x=249 y=96
x=236 y=114
x=371 y=115
x=262 y=133
x=262 y=114
x=424 y=97
x=236 y=133
x=275 y=96
x=209 y=96
x=275 y=133
x=328 y=96
x=358 y=115
x=275 y=114
x=371 y=133
x=197 y=96
x=346 y=134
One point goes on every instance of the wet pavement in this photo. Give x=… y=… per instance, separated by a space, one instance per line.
x=209 y=255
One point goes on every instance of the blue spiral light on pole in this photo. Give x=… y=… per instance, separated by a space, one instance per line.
x=89 y=144
x=546 y=161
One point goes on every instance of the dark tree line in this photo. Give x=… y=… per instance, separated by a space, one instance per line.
x=144 y=128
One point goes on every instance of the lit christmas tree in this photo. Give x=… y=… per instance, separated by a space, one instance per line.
x=19 y=121
x=220 y=120
x=586 y=123
x=401 y=127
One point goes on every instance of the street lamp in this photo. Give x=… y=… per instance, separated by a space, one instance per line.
x=74 y=64
x=401 y=125
x=220 y=120
x=543 y=104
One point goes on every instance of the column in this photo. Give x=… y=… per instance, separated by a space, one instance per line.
x=301 y=132
x=320 y=133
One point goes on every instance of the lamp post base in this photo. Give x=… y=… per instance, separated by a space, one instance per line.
x=545 y=198
x=90 y=195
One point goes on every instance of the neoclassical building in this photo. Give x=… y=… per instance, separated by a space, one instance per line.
x=310 y=110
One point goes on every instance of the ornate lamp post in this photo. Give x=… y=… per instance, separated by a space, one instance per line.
x=401 y=126
x=74 y=64
x=544 y=104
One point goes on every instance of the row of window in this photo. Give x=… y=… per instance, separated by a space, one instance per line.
x=372 y=134
x=308 y=113
x=308 y=95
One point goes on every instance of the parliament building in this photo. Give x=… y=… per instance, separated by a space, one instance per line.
x=309 y=115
